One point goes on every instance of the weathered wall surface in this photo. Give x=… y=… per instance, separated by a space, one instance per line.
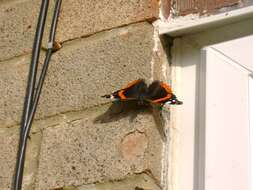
x=176 y=8
x=80 y=72
x=77 y=140
x=203 y=6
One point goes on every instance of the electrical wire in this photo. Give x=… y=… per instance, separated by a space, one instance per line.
x=46 y=62
x=34 y=62
x=29 y=94
x=32 y=93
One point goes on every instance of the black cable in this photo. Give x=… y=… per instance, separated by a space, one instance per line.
x=31 y=100
x=18 y=178
x=34 y=62
x=46 y=63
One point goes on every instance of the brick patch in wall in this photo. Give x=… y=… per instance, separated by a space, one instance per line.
x=199 y=6
x=216 y=4
x=133 y=146
x=165 y=8
x=84 y=151
x=80 y=72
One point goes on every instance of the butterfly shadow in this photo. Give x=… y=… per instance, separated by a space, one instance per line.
x=130 y=109
x=160 y=121
x=119 y=110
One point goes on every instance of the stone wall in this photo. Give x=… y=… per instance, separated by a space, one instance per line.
x=79 y=140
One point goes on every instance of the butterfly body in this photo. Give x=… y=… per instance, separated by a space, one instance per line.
x=156 y=93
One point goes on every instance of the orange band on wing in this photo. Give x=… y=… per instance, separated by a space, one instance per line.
x=168 y=90
x=121 y=95
x=166 y=87
x=162 y=99
x=121 y=92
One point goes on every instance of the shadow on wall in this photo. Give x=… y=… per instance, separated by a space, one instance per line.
x=121 y=109
x=130 y=109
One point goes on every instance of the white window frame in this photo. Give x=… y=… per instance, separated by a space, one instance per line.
x=199 y=33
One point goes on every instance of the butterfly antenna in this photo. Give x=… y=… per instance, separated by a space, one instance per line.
x=179 y=102
x=106 y=96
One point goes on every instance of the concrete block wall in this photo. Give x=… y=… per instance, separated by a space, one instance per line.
x=79 y=140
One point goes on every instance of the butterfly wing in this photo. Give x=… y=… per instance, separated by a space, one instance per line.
x=132 y=91
x=157 y=93
x=161 y=93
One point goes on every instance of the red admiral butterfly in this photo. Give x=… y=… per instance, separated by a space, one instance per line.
x=157 y=93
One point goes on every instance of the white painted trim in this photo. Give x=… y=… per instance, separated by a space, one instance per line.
x=187 y=54
x=251 y=128
x=193 y=23
x=182 y=137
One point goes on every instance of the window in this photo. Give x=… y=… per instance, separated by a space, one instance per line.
x=211 y=144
